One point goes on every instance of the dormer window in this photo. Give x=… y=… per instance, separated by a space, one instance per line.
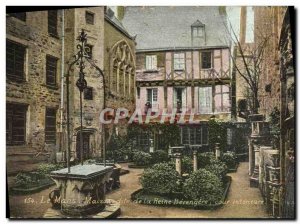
x=198 y=33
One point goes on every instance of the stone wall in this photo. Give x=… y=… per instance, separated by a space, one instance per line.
x=114 y=37
x=34 y=92
x=34 y=35
x=268 y=23
x=75 y=22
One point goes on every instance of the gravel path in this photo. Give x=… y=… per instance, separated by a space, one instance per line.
x=242 y=201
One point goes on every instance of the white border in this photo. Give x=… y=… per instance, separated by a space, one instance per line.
x=96 y=3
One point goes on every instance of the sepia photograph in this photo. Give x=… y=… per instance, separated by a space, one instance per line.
x=150 y=112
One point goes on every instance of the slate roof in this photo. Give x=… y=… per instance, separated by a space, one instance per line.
x=110 y=17
x=163 y=27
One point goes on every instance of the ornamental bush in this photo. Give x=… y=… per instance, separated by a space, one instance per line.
x=230 y=159
x=141 y=158
x=24 y=179
x=202 y=185
x=217 y=167
x=159 y=156
x=160 y=179
x=47 y=168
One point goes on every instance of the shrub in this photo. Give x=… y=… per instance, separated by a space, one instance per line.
x=47 y=168
x=24 y=179
x=203 y=186
x=204 y=159
x=141 y=158
x=230 y=159
x=160 y=179
x=217 y=167
x=159 y=156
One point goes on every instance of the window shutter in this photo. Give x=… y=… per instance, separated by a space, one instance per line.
x=154 y=62
x=148 y=59
x=154 y=92
x=205 y=99
x=183 y=97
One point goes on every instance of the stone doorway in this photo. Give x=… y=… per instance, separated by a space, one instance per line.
x=86 y=145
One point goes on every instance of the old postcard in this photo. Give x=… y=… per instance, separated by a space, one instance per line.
x=142 y=112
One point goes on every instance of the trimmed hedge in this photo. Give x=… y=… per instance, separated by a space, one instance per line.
x=160 y=179
x=217 y=167
x=178 y=200
x=204 y=186
x=230 y=159
x=141 y=158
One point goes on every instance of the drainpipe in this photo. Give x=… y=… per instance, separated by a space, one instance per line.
x=62 y=77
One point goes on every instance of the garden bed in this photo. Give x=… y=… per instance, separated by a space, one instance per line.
x=233 y=170
x=33 y=188
x=177 y=200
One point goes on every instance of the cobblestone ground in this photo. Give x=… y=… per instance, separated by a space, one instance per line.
x=242 y=201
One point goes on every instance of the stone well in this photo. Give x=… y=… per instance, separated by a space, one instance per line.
x=82 y=191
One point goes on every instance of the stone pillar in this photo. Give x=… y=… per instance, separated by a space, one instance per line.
x=195 y=160
x=217 y=148
x=250 y=146
x=151 y=145
x=256 y=156
x=178 y=162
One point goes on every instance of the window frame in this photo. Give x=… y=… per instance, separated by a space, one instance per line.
x=200 y=98
x=13 y=111
x=52 y=28
x=50 y=57
x=192 y=135
x=211 y=60
x=152 y=61
x=14 y=77
x=196 y=30
x=152 y=95
x=223 y=93
x=179 y=65
x=54 y=110
x=175 y=92
x=87 y=19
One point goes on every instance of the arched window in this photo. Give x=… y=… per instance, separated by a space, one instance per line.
x=122 y=68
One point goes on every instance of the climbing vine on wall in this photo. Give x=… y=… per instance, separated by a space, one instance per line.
x=217 y=134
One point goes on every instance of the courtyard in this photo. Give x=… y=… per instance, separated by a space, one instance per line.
x=242 y=201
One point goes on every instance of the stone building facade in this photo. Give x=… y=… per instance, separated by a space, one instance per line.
x=182 y=65
x=33 y=64
x=40 y=47
x=271 y=149
x=277 y=94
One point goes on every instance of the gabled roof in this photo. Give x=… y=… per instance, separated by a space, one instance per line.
x=110 y=17
x=159 y=27
x=197 y=24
